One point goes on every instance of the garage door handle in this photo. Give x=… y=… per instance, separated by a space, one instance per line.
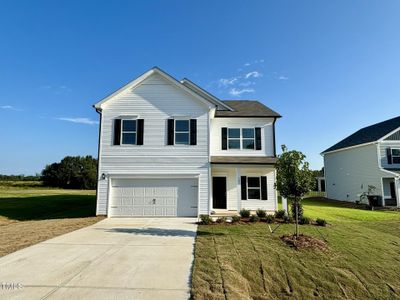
x=154 y=201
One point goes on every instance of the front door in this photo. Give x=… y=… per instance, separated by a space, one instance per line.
x=219 y=192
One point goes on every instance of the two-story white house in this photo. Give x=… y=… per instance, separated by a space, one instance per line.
x=368 y=161
x=170 y=148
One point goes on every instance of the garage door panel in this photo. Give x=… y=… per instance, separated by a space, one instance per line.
x=153 y=197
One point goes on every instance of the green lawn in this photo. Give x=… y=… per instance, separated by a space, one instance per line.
x=248 y=262
x=31 y=213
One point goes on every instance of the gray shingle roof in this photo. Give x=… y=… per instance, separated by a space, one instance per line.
x=246 y=108
x=262 y=160
x=367 y=134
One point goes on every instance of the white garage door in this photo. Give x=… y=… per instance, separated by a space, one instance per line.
x=153 y=197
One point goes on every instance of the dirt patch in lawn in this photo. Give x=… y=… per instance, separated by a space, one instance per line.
x=15 y=235
x=304 y=242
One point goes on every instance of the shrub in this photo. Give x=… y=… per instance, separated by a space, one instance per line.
x=304 y=220
x=205 y=219
x=261 y=213
x=269 y=218
x=244 y=213
x=254 y=218
x=279 y=214
x=321 y=222
x=287 y=219
x=293 y=210
x=221 y=220
x=235 y=219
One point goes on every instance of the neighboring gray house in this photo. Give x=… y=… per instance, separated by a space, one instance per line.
x=366 y=159
x=169 y=148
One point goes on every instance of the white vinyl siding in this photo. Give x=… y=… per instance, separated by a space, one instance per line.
x=349 y=172
x=155 y=101
x=267 y=137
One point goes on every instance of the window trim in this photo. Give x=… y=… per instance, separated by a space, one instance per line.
x=395 y=156
x=236 y=138
x=253 y=188
x=122 y=131
x=188 y=132
x=241 y=138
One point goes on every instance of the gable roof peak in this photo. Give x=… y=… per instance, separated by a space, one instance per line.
x=368 y=134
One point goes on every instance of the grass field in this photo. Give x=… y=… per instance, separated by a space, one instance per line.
x=31 y=213
x=248 y=262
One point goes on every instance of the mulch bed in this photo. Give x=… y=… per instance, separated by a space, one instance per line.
x=304 y=242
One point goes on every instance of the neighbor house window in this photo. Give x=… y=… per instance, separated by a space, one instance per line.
x=234 y=138
x=128 y=132
x=396 y=156
x=253 y=188
x=182 y=132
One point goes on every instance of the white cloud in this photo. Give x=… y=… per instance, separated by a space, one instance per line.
x=247 y=83
x=85 y=121
x=247 y=64
x=57 y=89
x=238 y=92
x=283 y=78
x=10 y=107
x=224 y=82
x=254 y=74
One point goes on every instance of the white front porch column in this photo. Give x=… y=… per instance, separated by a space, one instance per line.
x=238 y=189
x=397 y=188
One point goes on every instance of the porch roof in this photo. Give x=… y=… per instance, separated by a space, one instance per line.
x=249 y=160
x=393 y=170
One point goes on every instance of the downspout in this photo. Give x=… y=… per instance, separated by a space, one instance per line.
x=98 y=156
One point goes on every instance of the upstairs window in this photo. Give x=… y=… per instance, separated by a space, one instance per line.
x=128 y=132
x=182 y=132
x=241 y=138
x=248 y=138
x=234 y=138
x=396 y=156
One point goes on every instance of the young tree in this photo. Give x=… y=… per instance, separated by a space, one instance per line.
x=294 y=178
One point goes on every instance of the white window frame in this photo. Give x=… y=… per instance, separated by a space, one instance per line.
x=393 y=156
x=122 y=131
x=244 y=138
x=235 y=138
x=241 y=138
x=253 y=188
x=188 y=132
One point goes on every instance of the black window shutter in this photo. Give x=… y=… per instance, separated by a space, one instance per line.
x=243 y=181
x=117 y=132
x=140 y=131
x=170 y=131
x=258 y=138
x=264 y=193
x=389 y=156
x=193 y=132
x=224 y=138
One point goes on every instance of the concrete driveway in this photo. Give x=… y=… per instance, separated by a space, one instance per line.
x=113 y=259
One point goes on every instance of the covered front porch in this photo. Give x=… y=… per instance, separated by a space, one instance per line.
x=391 y=191
x=237 y=186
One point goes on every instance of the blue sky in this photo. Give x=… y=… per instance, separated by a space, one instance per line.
x=329 y=68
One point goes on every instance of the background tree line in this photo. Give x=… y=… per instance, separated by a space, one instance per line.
x=72 y=172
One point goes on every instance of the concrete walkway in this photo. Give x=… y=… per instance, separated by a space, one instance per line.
x=113 y=259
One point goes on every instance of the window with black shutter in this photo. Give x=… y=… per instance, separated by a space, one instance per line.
x=243 y=185
x=395 y=156
x=389 y=155
x=117 y=132
x=193 y=132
